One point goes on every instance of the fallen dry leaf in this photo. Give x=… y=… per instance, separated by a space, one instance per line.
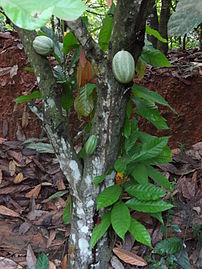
x=30 y=258
x=8 y=212
x=51 y=237
x=1 y=176
x=35 y=192
x=6 y=263
x=25 y=118
x=64 y=262
x=2 y=140
x=129 y=257
x=12 y=168
x=116 y=264
x=51 y=265
x=19 y=178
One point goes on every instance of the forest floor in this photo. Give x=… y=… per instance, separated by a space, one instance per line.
x=31 y=218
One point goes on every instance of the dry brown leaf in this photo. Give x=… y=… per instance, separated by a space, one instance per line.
x=129 y=257
x=19 y=178
x=2 y=140
x=25 y=118
x=60 y=184
x=64 y=262
x=51 y=265
x=51 y=237
x=35 y=192
x=116 y=264
x=6 y=263
x=1 y=176
x=30 y=258
x=12 y=168
x=8 y=212
x=188 y=190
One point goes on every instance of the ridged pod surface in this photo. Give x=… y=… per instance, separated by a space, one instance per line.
x=123 y=66
x=91 y=144
x=43 y=45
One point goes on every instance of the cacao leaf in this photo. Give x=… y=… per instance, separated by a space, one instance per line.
x=140 y=173
x=140 y=233
x=158 y=177
x=150 y=112
x=148 y=206
x=188 y=15
x=100 y=229
x=120 y=218
x=150 y=96
x=29 y=97
x=109 y=196
x=145 y=192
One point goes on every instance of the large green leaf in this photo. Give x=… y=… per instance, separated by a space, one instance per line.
x=120 y=218
x=121 y=164
x=68 y=10
x=148 y=206
x=164 y=157
x=84 y=102
x=30 y=16
x=150 y=96
x=109 y=196
x=153 y=56
x=29 y=97
x=100 y=229
x=158 y=216
x=150 y=149
x=155 y=33
x=139 y=232
x=145 y=192
x=170 y=245
x=42 y=262
x=69 y=42
x=140 y=173
x=150 y=112
x=158 y=177
x=131 y=140
x=188 y=15
x=66 y=216
x=105 y=32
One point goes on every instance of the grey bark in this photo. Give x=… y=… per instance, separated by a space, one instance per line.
x=128 y=33
x=163 y=25
x=200 y=40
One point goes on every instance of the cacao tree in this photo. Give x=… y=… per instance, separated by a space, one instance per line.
x=114 y=145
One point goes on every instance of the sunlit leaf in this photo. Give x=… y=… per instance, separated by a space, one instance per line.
x=139 y=232
x=148 y=206
x=188 y=15
x=145 y=192
x=109 y=196
x=155 y=33
x=120 y=218
x=29 y=97
x=100 y=229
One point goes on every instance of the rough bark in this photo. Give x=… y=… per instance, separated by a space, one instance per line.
x=163 y=25
x=153 y=22
x=200 y=40
x=128 y=33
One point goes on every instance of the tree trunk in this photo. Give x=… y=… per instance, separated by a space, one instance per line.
x=163 y=25
x=153 y=22
x=128 y=33
x=200 y=38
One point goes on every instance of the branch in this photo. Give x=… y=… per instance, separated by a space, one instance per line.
x=92 y=50
x=53 y=121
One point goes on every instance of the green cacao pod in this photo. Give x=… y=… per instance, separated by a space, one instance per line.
x=91 y=144
x=123 y=66
x=43 y=45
